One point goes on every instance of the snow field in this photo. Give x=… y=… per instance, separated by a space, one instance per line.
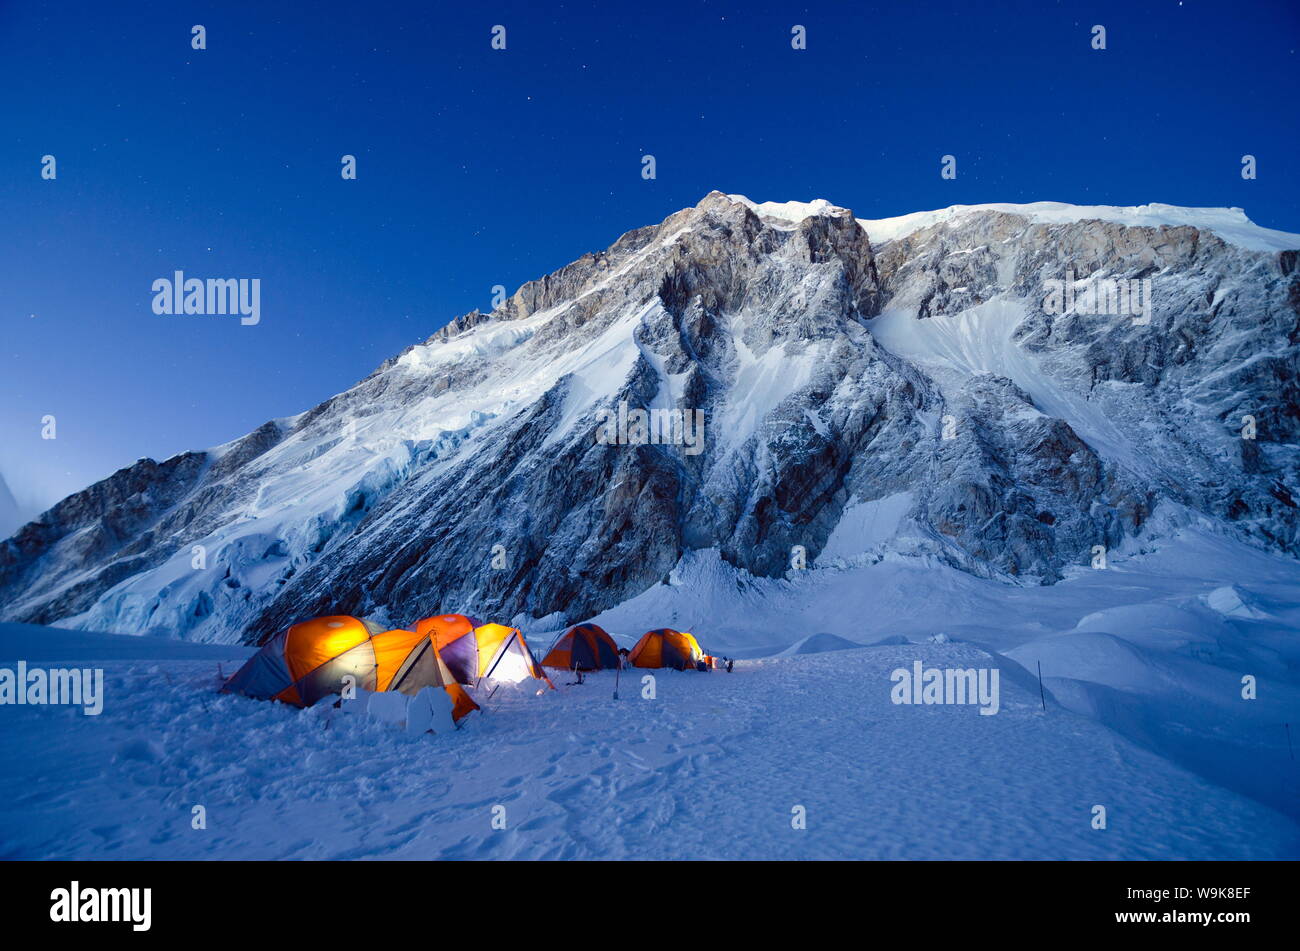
x=710 y=768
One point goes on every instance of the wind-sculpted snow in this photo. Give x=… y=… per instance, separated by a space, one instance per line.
x=922 y=377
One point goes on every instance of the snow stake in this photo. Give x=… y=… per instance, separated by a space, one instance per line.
x=1042 y=696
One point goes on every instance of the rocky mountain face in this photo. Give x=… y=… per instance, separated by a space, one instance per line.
x=499 y=469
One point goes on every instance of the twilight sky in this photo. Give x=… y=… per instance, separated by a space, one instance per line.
x=479 y=167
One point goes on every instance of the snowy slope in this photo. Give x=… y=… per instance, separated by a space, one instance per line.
x=714 y=764
x=1152 y=646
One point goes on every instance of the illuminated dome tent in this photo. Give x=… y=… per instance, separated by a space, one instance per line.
x=585 y=647
x=482 y=654
x=313 y=659
x=666 y=648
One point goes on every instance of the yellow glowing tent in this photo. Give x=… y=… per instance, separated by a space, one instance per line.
x=478 y=654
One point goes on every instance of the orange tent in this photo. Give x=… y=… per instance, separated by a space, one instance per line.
x=407 y=661
x=666 y=648
x=585 y=647
x=477 y=653
x=444 y=630
x=312 y=659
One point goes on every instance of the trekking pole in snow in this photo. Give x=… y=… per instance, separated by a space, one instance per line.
x=1042 y=696
x=617 y=672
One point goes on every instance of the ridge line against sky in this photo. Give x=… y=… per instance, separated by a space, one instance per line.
x=478 y=167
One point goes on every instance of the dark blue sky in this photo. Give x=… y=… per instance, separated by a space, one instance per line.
x=479 y=167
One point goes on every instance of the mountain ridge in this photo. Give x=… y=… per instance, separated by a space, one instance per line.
x=773 y=327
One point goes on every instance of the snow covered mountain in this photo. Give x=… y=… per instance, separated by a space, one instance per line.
x=900 y=386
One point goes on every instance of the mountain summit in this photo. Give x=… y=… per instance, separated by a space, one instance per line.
x=909 y=386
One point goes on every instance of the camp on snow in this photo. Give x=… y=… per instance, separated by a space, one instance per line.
x=311 y=659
